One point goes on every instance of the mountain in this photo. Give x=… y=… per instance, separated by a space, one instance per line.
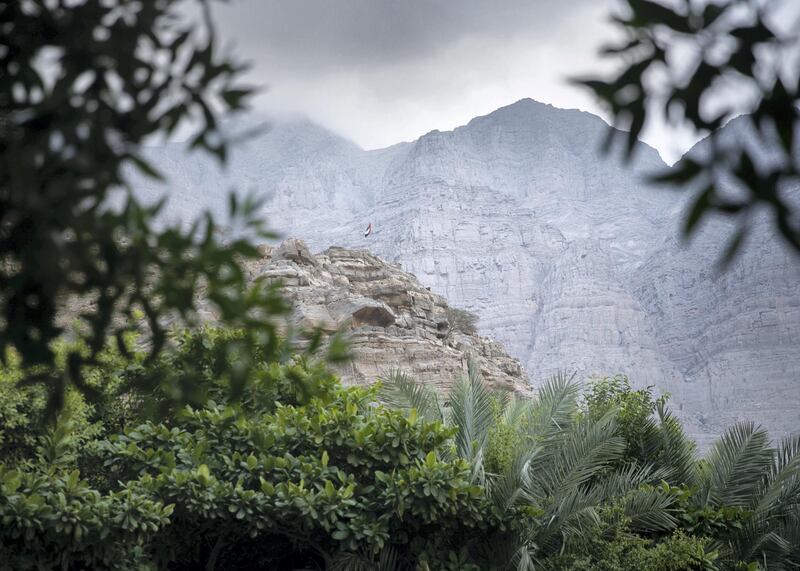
x=568 y=256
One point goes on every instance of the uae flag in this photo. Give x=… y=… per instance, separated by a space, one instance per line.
x=368 y=231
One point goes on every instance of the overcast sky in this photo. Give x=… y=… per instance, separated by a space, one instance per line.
x=383 y=71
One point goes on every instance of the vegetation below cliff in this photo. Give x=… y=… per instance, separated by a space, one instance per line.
x=301 y=473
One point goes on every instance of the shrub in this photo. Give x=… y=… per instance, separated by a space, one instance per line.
x=298 y=472
x=462 y=320
x=337 y=476
x=610 y=545
x=24 y=424
x=55 y=520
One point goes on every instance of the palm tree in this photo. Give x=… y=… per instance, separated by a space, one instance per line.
x=760 y=483
x=567 y=464
x=564 y=464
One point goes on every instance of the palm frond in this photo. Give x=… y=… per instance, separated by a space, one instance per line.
x=516 y=411
x=566 y=519
x=623 y=480
x=388 y=560
x=781 y=492
x=507 y=489
x=788 y=452
x=555 y=405
x=650 y=511
x=758 y=540
x=738 y=464
x=563 y=476
x=471 y=415
x=645 y=442
x=677 y=451
x=523 y=559
x=584 y=453
x=400 y=390
x=791 y=531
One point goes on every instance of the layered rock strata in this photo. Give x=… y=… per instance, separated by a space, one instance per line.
x=391 y=320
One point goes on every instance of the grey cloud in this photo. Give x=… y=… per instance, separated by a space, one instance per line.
x=383 y=71
x=314 y=34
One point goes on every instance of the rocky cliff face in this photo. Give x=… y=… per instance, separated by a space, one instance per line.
x=569 y=258
x=391 y=320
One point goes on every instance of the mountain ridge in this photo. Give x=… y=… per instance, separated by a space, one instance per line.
x=570 y=258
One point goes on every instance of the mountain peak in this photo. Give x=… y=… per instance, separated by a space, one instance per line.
x=530 y=111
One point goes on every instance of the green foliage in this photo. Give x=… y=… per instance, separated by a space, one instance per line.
x=504 y=442
x=401 y=391
x=200 y=364
x=298 y=472
x=613 y=483
x=82 y=86
x=55 y=520
x=333 y=476
x=652 y=435
x=678 y=56
x=471 y=416
x=633 y=410
x=609 y=545
x=302 y=473
x=462 y=320
x=24 y=425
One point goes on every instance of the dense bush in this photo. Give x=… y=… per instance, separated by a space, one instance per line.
x=52 y=519
x=301 y=473
x=651 y=434
x=24 y=424
x=335 y=476
x=298 y=473
x=609 y=545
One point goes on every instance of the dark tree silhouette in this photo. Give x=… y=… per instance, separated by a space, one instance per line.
x=727 y=42
x=82 y=86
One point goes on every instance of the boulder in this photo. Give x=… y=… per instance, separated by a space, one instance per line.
x=295 y=250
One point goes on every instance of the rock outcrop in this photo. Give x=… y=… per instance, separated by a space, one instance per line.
x=391 y=320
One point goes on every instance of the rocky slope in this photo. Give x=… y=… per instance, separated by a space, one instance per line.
x=391 y=320
x=569 y=258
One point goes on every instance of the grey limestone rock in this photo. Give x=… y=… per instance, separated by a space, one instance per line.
x=391 y=320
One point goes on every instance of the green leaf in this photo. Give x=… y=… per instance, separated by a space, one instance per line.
x=698 y=209
x=203 y=474
x=145 y=167
x=733 y=247
x=430 y=459
x=267 y=487
x=11 y=481
x=685 y=171
x=648 y=12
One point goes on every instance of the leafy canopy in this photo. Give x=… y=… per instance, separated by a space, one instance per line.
x=280 y=478
x=286 y=477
